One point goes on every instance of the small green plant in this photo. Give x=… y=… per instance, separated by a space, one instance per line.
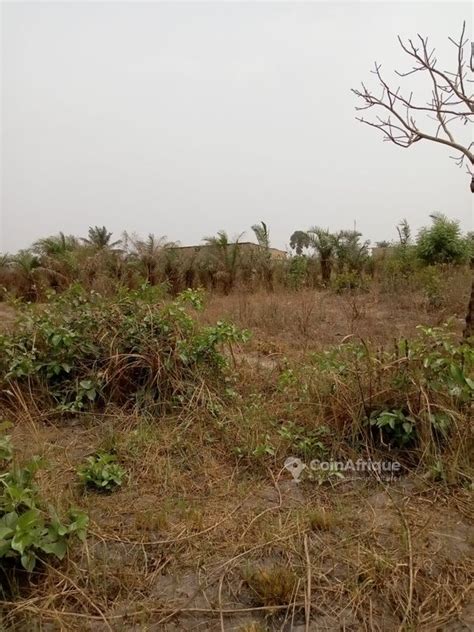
x=395 y=427
x=436 y=472
x=264 y=449
x=28 y=535
x=322 y=476
x=27 y=531
x=304 y=442
x=102 y=472
x=6 y=448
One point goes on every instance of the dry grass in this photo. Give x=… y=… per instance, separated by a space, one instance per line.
x=204 y=537
x=176 y=544
x=285 y=321
x=7 y=316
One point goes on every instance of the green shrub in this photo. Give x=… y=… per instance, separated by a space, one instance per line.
x=83 y=350
x=102 y=472
x=433 y=287
x=298 y=271
x=348 y=280
x=442 y=242
x=415 y=395
x=28 y=533
x=395 y=426
x=398 y=268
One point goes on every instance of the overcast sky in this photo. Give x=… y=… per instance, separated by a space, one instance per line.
x=184 y=118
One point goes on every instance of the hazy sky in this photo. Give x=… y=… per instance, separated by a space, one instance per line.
x=184 y=118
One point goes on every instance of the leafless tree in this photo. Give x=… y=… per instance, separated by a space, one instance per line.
x=447 y=110
x=451 y=101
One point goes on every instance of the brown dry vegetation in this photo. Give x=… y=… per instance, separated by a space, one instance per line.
x=208 y=533
x=297 y=321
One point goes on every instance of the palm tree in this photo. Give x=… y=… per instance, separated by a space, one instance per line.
x=350 y=252
x=147 y=254
x=5 y=271
x=56 y=245
x=58 y=255
x=262 y=235
x=404 y=233
x=5 y=261
x=99 y=238
x=28 y=269
x=324 y=244
x=224 y=254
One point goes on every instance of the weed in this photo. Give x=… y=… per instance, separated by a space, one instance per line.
x=274 y=586
x=321 y=520
x=346 y=281
x=304 y=442
x=27 y=531
x=395 y=427
x=102 y=472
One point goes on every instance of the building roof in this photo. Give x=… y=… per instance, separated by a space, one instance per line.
x=241 y=244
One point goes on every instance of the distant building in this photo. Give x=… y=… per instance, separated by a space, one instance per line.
x=382 y=252
x=245 y=247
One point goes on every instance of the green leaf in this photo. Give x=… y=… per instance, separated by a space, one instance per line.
x=9 y=519
x=457 y=374
x=57 y=548
x=5 y=532
x=28 y=520
x=28 y=560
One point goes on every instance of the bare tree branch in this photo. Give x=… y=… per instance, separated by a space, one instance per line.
x=449 y=105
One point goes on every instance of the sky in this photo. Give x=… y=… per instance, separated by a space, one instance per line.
x=181 y=119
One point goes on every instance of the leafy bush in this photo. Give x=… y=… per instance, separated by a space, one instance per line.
x=102 y=472
x=442 y=242
x=348 y=280
x=395 y=426
x=82 y=349
x=298 y=271
x=431 y=282
x=416 y=395
x=398 y=268
x=27 y=532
